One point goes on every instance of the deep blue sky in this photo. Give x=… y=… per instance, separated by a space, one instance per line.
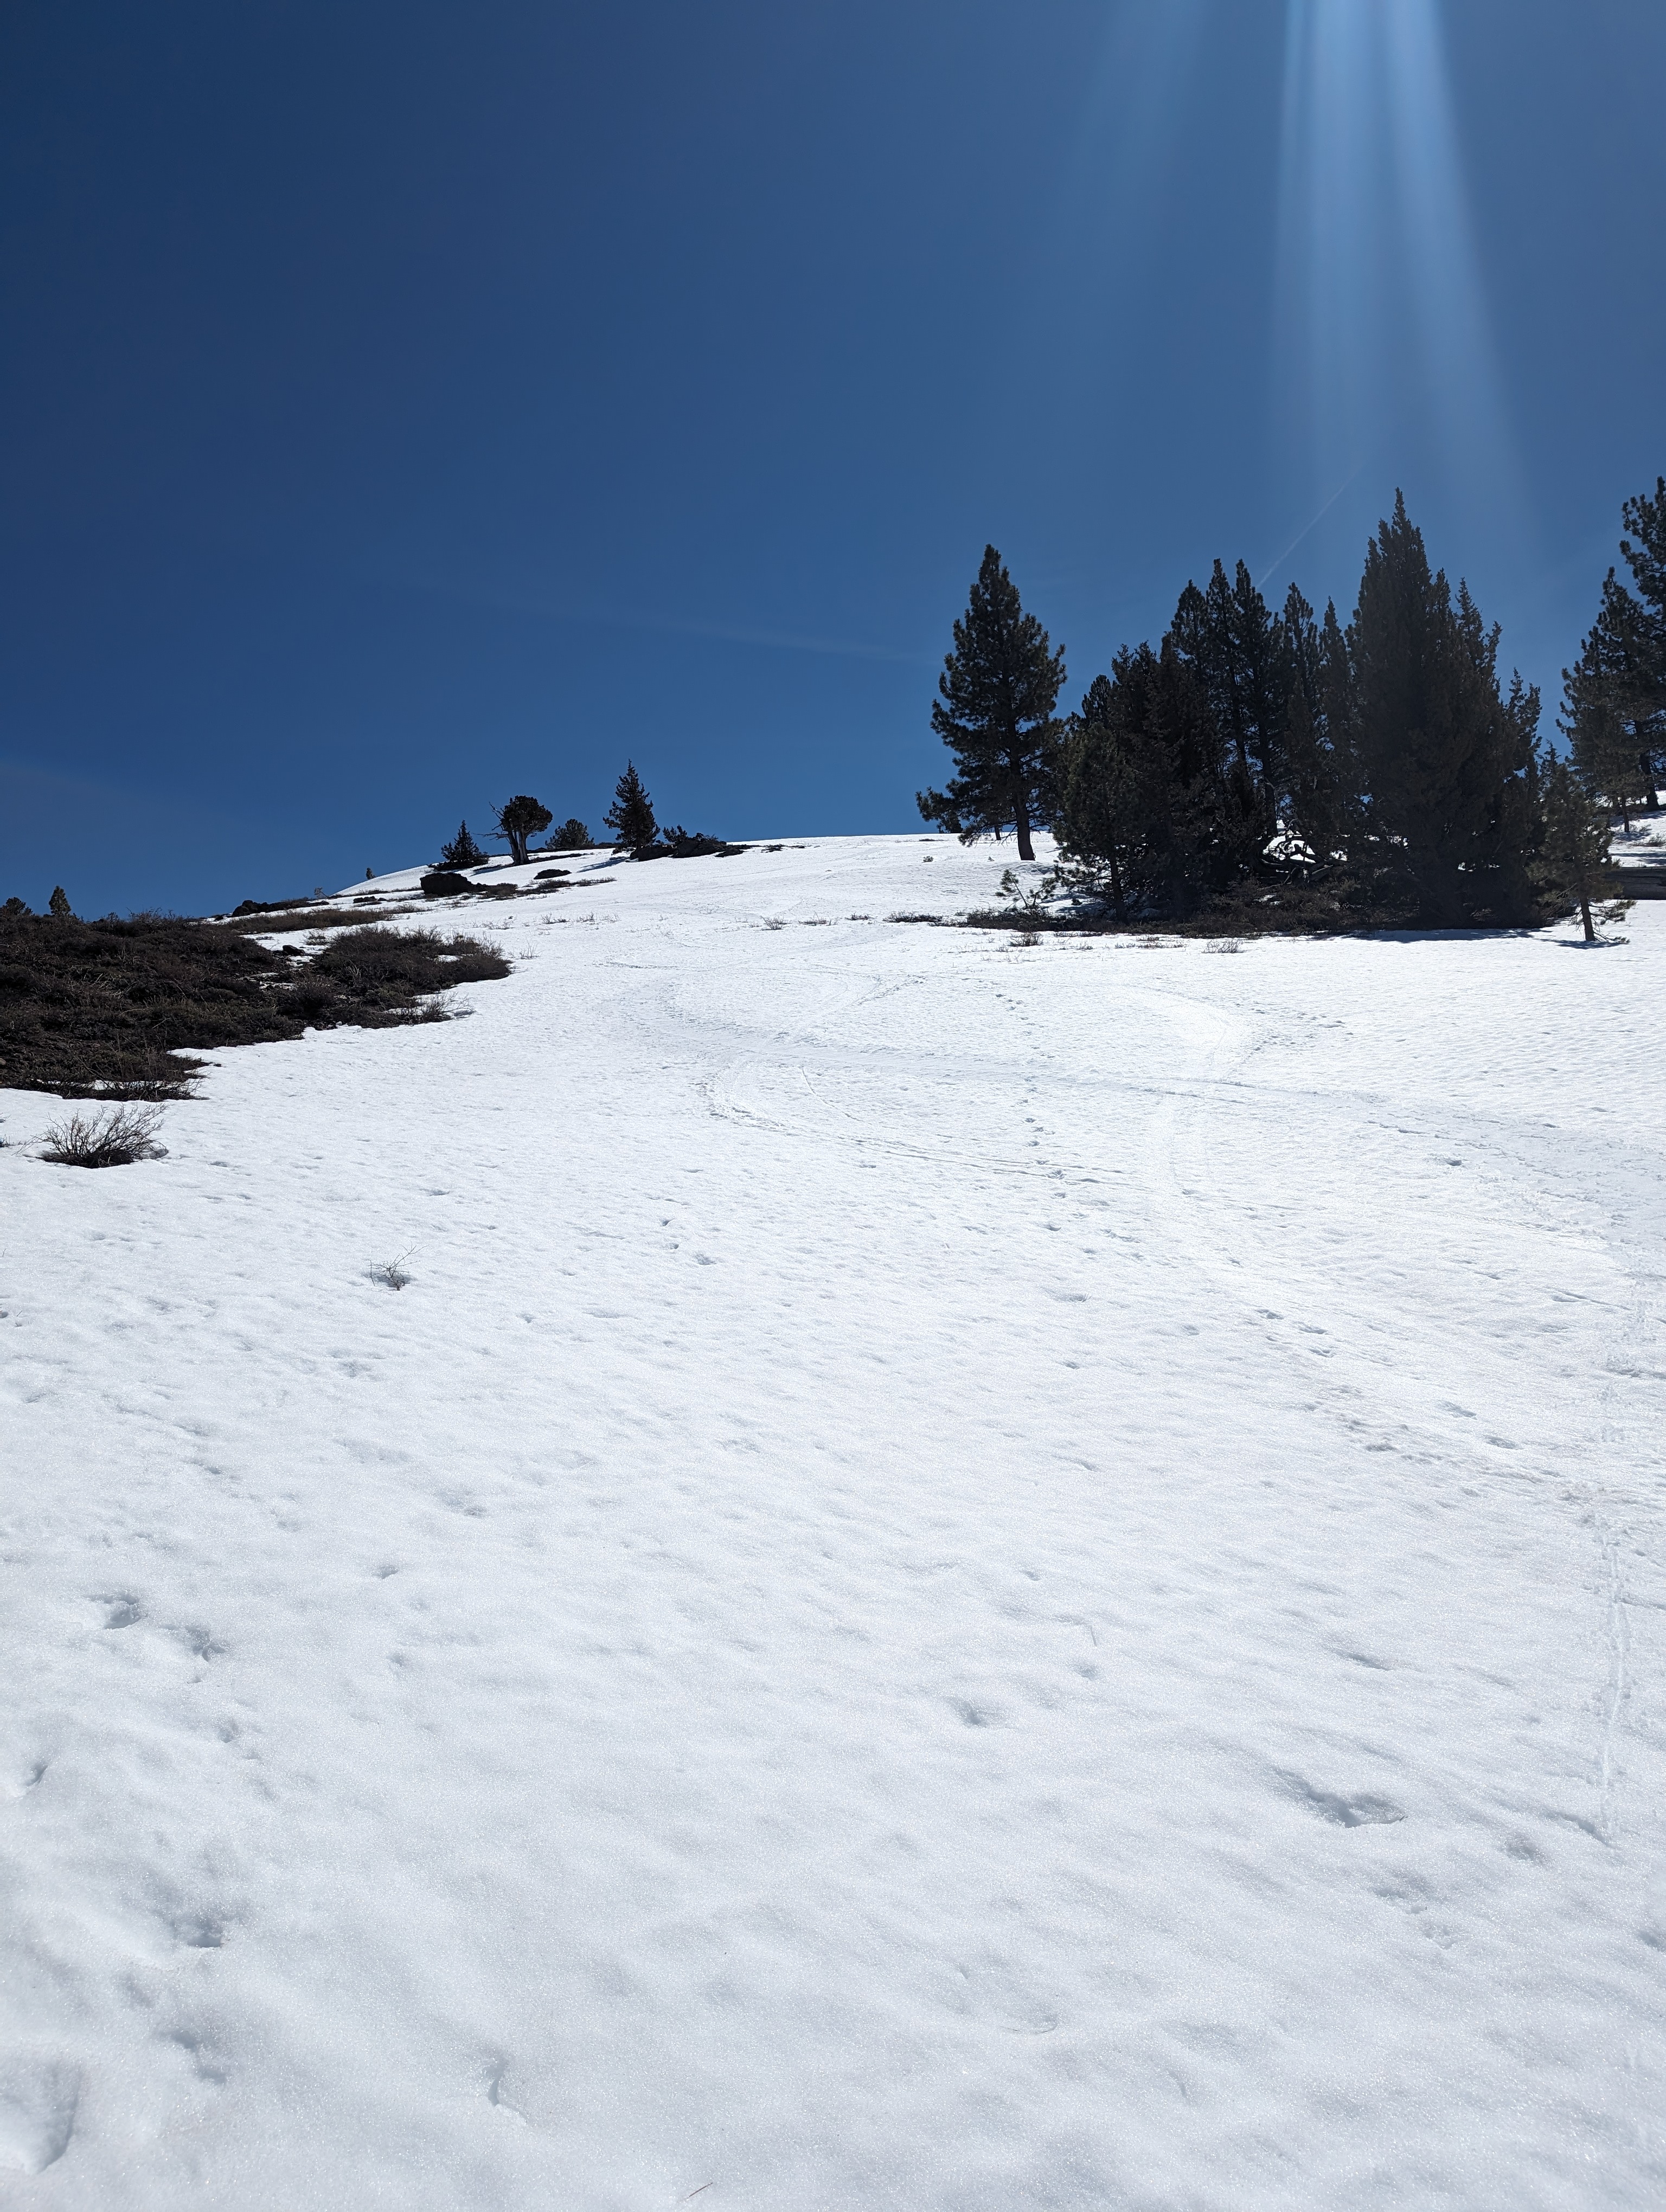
x=405 y=405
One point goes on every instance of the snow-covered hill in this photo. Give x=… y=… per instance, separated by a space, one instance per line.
x=966 y=1576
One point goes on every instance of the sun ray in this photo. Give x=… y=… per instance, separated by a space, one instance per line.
x=1383 y=332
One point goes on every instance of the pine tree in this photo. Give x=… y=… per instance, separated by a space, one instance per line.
x=1614 y=696
x=59 y=903
x=1162 y=806
x=1572 y=859
x=1229 y=811
x=1104 y=801
x=1321 y=776
x=519 y=820
x=1603 y=697
x=462 y=852
x=1447 y=762
x=1237 y=646
x=571 y=837
x=1162 y=801
x=630 y=817
x=995 y=711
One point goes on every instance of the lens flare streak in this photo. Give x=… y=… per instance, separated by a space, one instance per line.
x=1382 y=319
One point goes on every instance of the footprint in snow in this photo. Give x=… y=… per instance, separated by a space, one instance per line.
x=1365 y=1811
x=200 y=1931
x=200 y=2051
x=37 y=2100
x=997 y=1994
x=976 y=1716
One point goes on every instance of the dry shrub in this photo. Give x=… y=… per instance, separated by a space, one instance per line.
x=114 y=1139
x=401 y=963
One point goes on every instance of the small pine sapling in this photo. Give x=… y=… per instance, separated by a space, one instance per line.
x=462 y=852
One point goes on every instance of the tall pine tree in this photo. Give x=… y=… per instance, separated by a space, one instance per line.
x=995 y=711
x=1237 y=646
x=1111 y=788
x=630 y=817
x=1448 y=763
x=1148 y=809
x=1321 y=777
x=1614 y=696
x=1571 y=864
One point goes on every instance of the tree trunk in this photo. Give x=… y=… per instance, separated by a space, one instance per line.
x=1585 y=916
x=1021 y=813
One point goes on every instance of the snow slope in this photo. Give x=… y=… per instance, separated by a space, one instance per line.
x=968 y=1576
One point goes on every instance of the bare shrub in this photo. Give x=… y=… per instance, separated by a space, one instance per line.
x=1224 y=945
x=114 y=1139
x=391 y=1272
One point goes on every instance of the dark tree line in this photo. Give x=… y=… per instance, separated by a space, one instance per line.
x=1261 y=757
x=631 y=819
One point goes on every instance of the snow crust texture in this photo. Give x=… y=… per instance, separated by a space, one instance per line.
x=966 y=1576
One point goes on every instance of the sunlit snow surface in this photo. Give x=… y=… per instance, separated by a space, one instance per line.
x=968 y=1576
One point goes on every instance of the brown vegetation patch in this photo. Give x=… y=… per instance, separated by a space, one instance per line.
x=91 y=1009
x=287 y=920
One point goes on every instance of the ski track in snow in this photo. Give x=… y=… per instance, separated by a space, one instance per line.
x=968 y=1576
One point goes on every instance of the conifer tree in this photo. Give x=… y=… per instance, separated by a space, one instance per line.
x=571 y=837
x=1602 y=706
x=1144 y=785
x=1321 y=775
x=630 y=817
x=1104 y=800
x=1614 y=696
x=1448 y=763
x=462 y=852
x=59 y=903
x=1572 y=859
x=519 y=820
x=995 y=711
x=1235 y=644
